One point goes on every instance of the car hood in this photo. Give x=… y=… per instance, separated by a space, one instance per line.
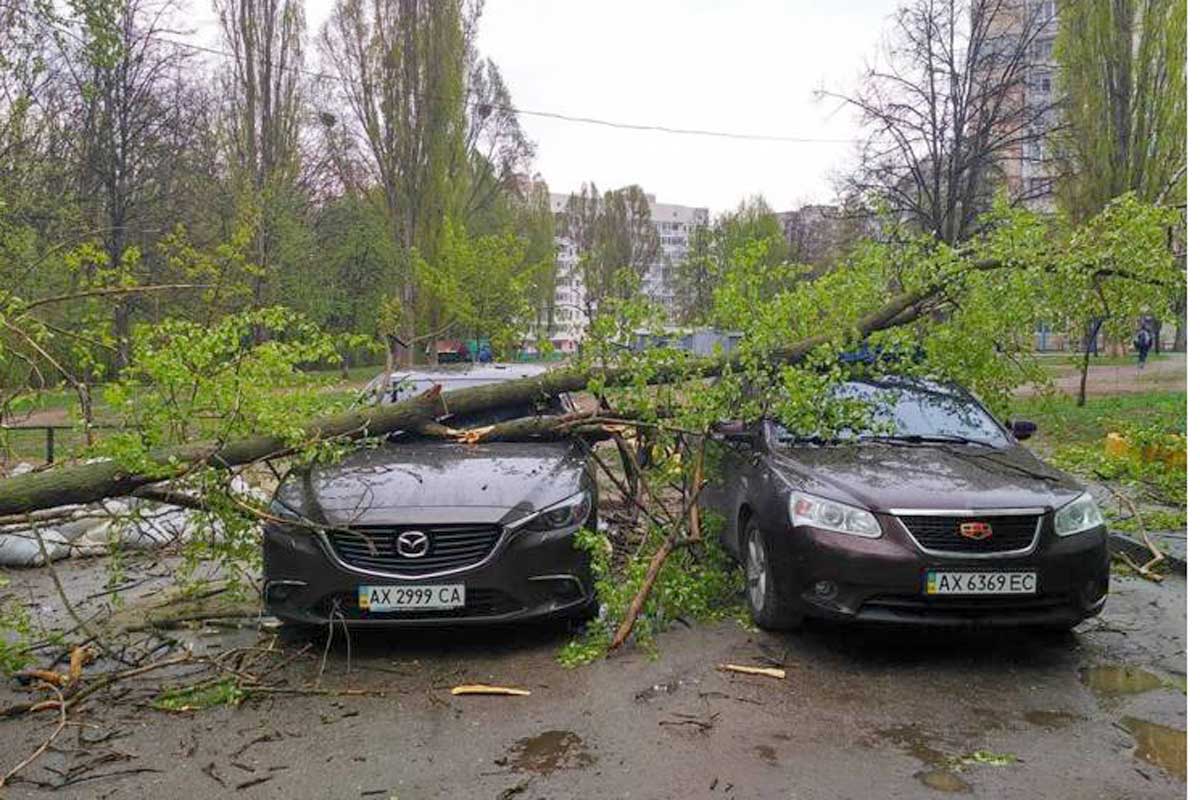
x=432 y=482
x=960 y=477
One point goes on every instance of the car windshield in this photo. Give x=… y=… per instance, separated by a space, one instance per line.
x=909 y=410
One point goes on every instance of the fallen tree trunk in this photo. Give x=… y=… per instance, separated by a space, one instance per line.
x=89 y=482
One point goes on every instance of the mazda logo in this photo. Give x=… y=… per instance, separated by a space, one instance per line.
x=412 y=544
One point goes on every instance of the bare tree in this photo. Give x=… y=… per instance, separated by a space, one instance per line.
x=125 y=78
x=947 y=110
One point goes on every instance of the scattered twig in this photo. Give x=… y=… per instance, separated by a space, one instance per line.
x=1145 y=570
x=670 y=543
x=211 y=771
x=62 y=723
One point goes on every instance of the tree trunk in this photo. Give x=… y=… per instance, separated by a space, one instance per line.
x=90 y=482
x=1081 y=398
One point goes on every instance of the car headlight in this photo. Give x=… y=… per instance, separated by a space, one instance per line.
x=567 y=513
x=1079 y=515
x=805 y=509
x=282 y=511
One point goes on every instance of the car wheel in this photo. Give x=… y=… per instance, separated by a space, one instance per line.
x=767 y=607
x=577 y=619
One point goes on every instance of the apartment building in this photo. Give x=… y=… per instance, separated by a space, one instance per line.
x=1028 y=167
x=675 y=224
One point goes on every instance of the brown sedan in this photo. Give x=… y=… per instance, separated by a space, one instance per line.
x=944 y=519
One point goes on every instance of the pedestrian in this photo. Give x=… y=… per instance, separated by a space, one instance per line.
x=1143 y=340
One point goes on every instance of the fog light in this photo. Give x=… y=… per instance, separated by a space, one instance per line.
x=280 y=591
x=562 y=587
x=825 y=589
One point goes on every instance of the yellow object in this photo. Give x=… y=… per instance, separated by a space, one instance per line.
x=1116 y=445
x=1173 y=455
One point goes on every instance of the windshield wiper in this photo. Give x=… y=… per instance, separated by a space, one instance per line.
x=920 y=438
x=810 y=438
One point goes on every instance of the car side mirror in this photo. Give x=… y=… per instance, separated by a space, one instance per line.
x=1022 y=428
x=734 y=432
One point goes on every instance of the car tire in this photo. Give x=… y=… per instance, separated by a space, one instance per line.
x=577 y=619
x=768 y=608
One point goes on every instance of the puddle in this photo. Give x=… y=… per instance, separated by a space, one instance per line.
x=549 y=752
x=944 y=768
x=1114 y=681
x=767 y=754
x=915 y=742
x=1051 y=720
x=943 y=780
x=1159 y=745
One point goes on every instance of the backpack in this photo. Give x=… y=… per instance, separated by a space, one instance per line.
x=1143 y=338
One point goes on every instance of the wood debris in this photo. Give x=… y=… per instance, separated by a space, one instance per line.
x=770 y=672
x=483 y=688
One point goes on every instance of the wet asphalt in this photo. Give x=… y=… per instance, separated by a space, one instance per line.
x=861 y=713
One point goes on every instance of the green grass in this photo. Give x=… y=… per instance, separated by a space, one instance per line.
x=199 y=697
x=1061 y=422
x=1070 y=360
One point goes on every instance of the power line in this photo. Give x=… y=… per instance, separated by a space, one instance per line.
x=529 y=112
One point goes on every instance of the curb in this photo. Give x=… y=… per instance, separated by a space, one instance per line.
x=1137 y=550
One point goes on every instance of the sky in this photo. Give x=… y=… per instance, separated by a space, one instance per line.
x=739 y=66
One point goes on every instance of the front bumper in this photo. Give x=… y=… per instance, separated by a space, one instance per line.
x=530 y=575
x=880 y=580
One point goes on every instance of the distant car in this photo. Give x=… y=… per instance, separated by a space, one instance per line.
x=419 y=532
x=945 y=519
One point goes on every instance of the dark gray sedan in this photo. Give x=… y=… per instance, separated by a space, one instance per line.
x=418 y=532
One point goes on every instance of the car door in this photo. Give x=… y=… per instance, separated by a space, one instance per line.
x=734 y=478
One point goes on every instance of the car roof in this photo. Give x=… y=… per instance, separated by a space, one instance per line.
x=451 y=374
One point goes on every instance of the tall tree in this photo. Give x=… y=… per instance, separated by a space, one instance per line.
x=1123 y=78
x=401 y=69
x=1124 y=87
x=499 y=152
x=945 y=111
x=263 y=103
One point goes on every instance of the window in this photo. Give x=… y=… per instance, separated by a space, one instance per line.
x=1040 y=81
x=1043 y=11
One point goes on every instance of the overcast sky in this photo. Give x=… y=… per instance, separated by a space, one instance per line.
x=744 y=66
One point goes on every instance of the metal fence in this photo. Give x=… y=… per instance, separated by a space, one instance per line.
x=52 y=436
